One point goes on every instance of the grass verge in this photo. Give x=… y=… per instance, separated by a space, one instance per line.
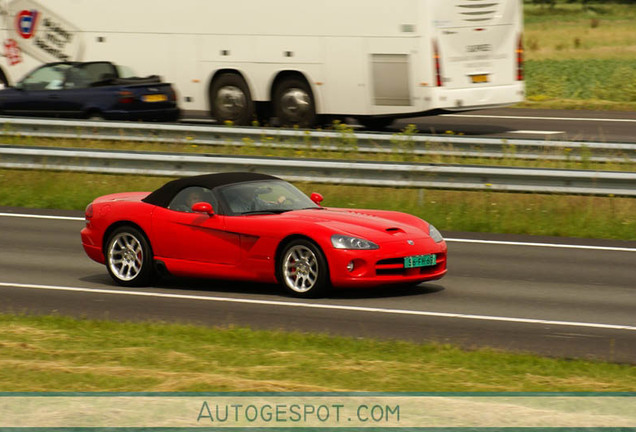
x=495 y=212
x=343 y=145
x=64 y=354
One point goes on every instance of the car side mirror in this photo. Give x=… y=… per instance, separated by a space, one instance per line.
x=203 y=207
x=316 y=197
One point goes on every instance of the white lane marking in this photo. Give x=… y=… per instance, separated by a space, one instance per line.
x=536 y=132
x=324 y=306
x=448 y=240
x=32 y=216
x=541 y=118
x=547 y=245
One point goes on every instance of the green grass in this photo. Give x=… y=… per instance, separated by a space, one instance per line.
x=581 y=57
x=535 y=214
x=65 y=354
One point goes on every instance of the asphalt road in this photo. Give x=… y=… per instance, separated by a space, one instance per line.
x=562 y=297
x=520 y=123
x=575 y=125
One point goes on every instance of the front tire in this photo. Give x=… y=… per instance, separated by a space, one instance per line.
x=231 y=101
x=129 y=257
x=303 y=269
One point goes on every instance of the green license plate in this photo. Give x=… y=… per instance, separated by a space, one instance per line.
x=420 y=261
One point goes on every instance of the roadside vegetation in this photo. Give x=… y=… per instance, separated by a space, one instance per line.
x=535 y=214
x=580 y=56
x=66 y=354
x=343 y=145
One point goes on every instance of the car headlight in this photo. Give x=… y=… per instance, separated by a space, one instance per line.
x=346 y=242
x=435 y=234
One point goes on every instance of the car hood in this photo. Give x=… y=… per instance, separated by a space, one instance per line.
x=371 y=225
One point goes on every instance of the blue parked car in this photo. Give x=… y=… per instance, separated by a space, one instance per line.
x=91 y=90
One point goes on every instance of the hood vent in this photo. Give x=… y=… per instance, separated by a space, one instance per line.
x=477 y=11
x=395 y=230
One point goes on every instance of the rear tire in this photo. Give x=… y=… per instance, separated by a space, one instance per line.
x=230 y=100
x=294 y=103
x=303 y=270
x=129 y=258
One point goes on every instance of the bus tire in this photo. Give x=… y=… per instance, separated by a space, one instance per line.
x=294 y=103
x=230 y=100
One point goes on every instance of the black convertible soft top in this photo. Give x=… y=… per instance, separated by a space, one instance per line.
x=162 y=196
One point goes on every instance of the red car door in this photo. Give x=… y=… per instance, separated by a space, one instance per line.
x=195 y=237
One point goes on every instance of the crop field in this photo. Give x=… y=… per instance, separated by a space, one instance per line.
x=581 y=58
x=611 y=80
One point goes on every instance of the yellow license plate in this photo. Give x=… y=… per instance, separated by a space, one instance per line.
x=479 y=79
x=154 y=98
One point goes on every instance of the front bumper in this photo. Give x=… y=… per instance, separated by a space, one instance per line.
x=385 y=266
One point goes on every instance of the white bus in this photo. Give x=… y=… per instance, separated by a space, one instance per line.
x=293 y=61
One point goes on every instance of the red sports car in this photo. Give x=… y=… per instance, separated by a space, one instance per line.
x=255 y=227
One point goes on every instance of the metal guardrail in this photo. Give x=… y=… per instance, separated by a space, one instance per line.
x=326 y=171
x=342 y=141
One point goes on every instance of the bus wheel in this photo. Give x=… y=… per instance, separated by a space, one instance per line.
x=230 y=100
x=294 y=103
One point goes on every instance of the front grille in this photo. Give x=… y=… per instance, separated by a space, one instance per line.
x=477 y=11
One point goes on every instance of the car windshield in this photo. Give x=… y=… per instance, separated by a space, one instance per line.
x=49 y=77
x=125 y=72
x=270 y=196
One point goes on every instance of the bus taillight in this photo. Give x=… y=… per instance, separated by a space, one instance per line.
x=520 y=59
x=438 y=66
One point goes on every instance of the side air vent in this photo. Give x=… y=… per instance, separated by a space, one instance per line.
x=477 y=11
